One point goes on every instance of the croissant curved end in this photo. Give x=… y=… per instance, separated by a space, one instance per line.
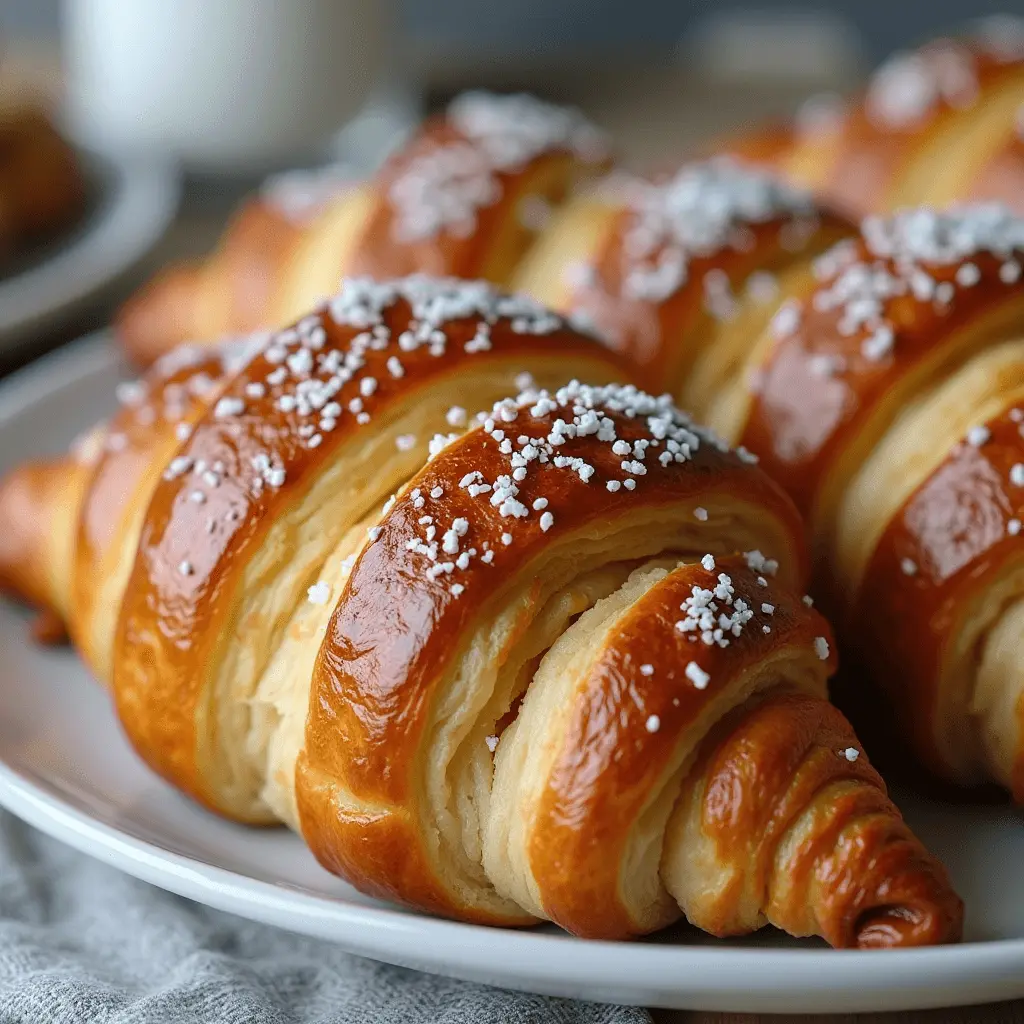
x=887 y=927
x=911 y=904
x=22 y=498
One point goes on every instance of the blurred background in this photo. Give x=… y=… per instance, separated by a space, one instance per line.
x=226 y=91
x=650 y=66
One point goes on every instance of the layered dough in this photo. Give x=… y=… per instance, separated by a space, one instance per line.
x=204 y=451
x=548 y=661
x=864 y=377
x=886 y=395
x=548 y=729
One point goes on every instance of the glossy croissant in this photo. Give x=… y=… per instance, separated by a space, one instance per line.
x=881 y=385
x=464 y=197
x=545 y=662
x=906 y=453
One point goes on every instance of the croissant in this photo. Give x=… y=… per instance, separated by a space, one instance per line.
x=886 y=395
x=562 y=673
x=464 y=197
x=678 y=273
x=934 y=126
x=904 y=451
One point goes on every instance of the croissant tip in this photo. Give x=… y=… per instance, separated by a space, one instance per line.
x=24 y=517
x=49 y=629
x=933 y=922
x=15 y=503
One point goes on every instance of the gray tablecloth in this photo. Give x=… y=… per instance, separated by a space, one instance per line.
x=79 y=941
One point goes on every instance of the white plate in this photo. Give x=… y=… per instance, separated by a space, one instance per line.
x=129 y=211
x=65 y=767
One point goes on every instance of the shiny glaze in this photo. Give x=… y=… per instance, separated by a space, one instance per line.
x=139 y=441
x=395 y=631
x=141 y=433
x=382 y=252
x=609 y=763
x=802 y=419
x=171 y=623
x=663 y=338
x=953 y=528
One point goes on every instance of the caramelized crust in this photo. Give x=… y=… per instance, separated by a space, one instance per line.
x=684 y=269
x=156 y=416
x=797 y=824
x=387 y=648
x=863 y=389
x=609 y=762
x=582 y=825
x=267 y=446
x=540 y=656
x=818 y=832
x=953 y=543
x=877 y=330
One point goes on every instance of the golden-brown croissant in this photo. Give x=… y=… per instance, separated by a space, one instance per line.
x=562 y=673
x=886 y=394
x=464 y=197
x=904 y=449
x=680 y=272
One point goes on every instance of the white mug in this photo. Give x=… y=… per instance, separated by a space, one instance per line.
x=221 y=84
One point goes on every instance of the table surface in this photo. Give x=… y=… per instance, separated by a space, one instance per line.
x=675 y=112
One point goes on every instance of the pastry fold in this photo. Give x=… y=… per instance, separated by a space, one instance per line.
x=887 y=397
x=679 y=272
x=854 y=372
x=499 y=649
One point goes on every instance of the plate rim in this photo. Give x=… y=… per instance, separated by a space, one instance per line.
x=699 y=977
x=137 y=205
